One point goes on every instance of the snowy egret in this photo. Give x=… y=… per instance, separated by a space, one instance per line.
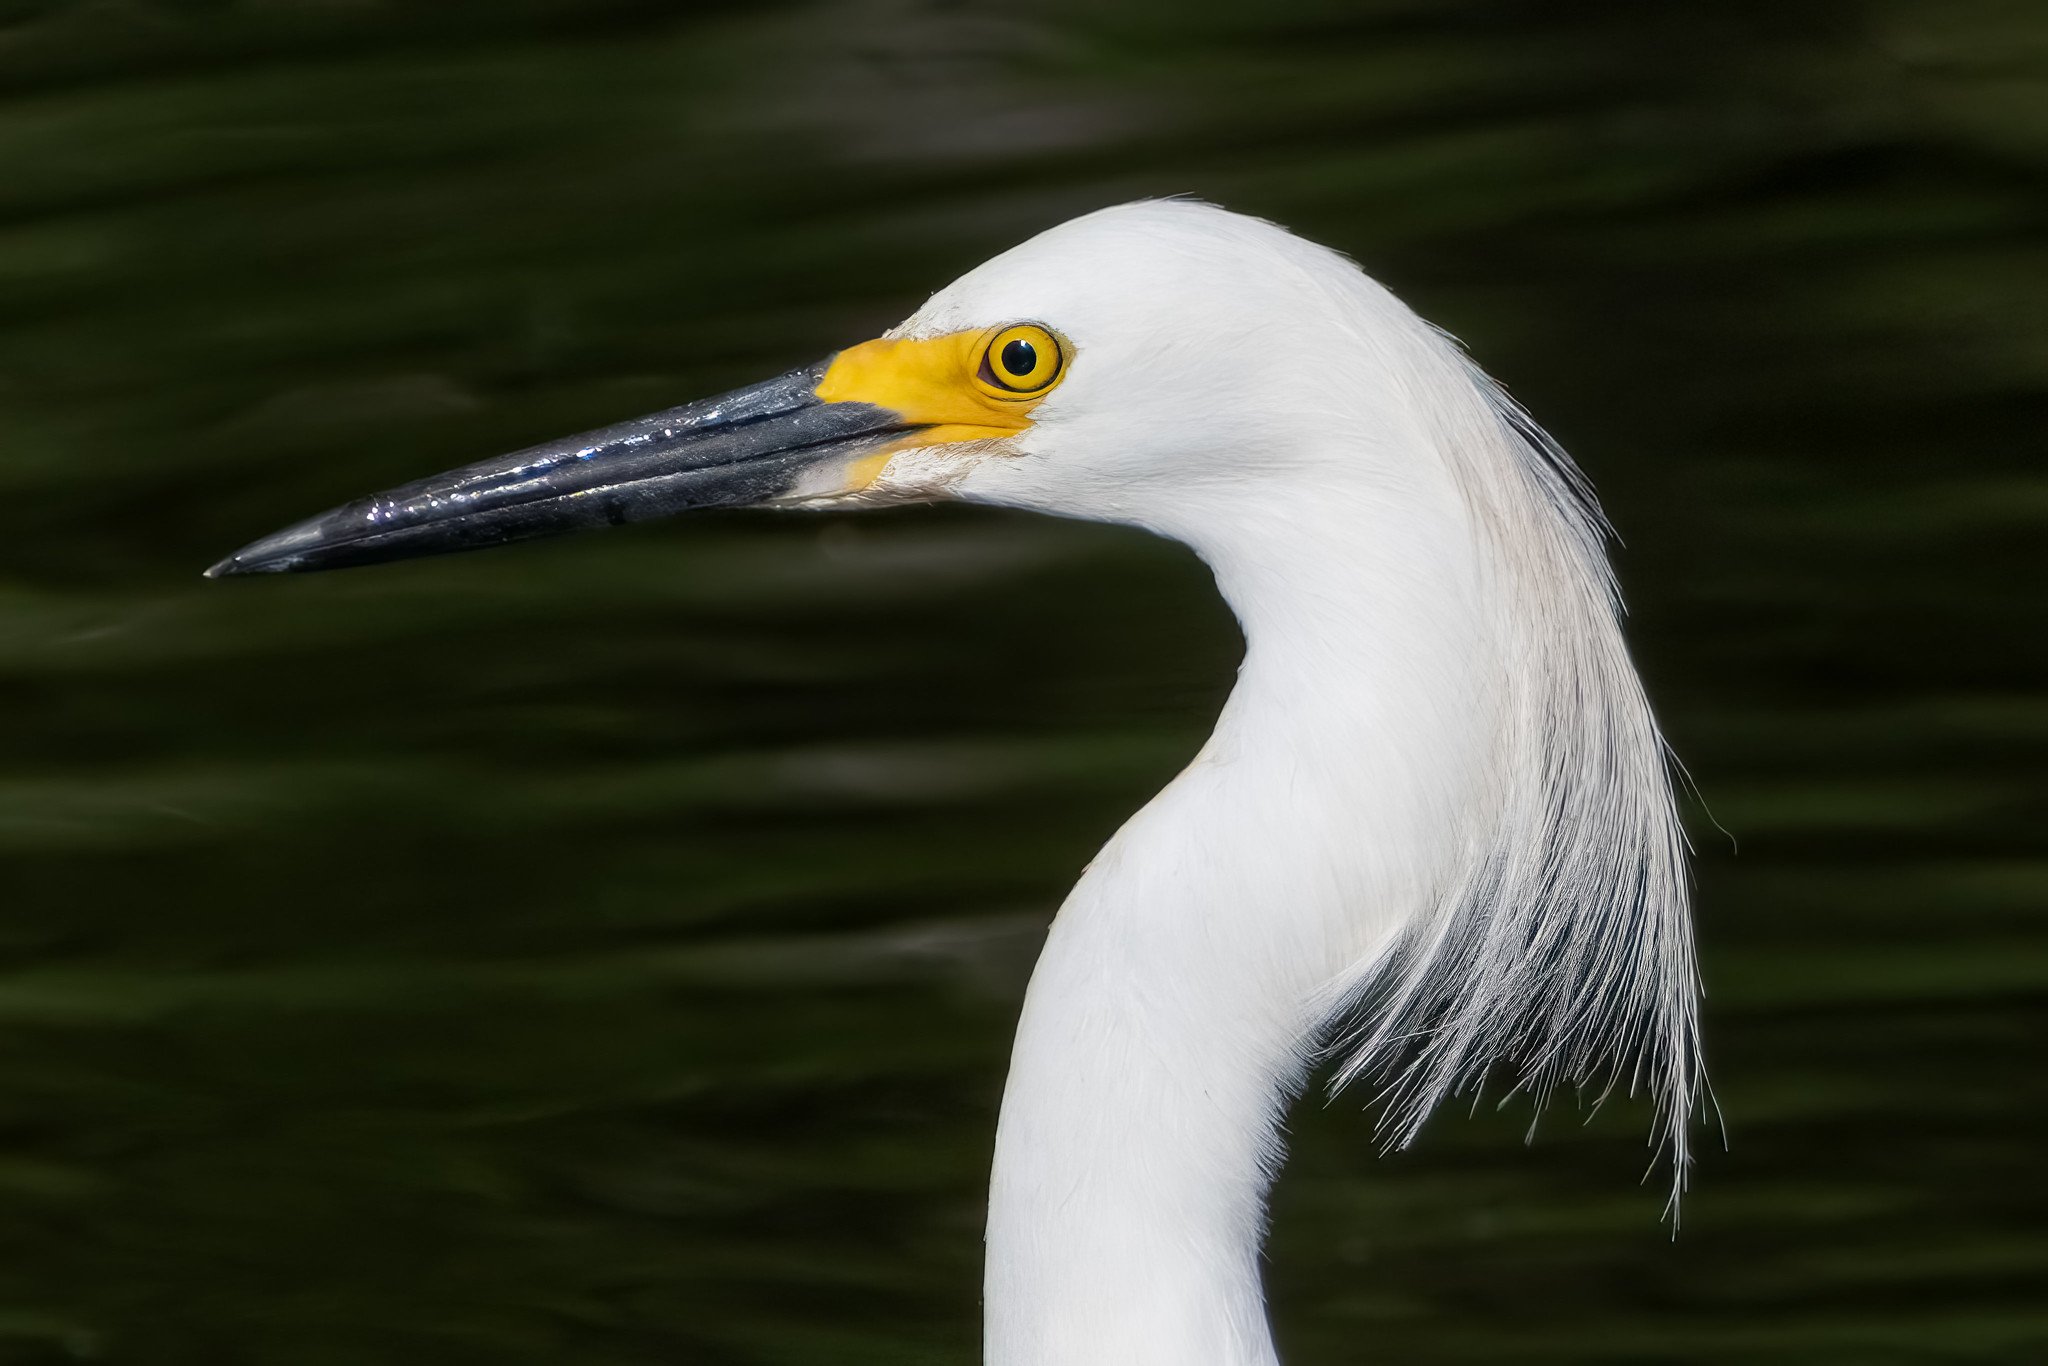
x=1432 y=836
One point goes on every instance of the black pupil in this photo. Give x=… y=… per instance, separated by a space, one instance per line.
x=1020 y=358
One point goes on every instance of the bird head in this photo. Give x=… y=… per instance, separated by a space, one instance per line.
x=1139 y=364
x=1218 y=380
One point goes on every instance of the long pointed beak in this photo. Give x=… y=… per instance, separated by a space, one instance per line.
x=770 y=441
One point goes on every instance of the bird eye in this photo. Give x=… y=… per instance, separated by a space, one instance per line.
x=1023 y=360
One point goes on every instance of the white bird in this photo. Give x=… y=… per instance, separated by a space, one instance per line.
x=1433 y=835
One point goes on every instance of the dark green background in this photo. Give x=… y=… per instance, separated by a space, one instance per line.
x=605 y=951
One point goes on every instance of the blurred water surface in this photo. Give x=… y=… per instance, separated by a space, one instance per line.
x=605 y=951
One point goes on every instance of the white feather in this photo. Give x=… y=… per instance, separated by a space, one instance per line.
x=1433 y=830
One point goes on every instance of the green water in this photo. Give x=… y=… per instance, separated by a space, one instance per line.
x=605 y=951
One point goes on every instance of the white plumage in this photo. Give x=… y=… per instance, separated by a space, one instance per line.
x=1432 y=837
x=1433 y=831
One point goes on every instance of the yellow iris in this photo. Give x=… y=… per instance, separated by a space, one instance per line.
x=1020 y=361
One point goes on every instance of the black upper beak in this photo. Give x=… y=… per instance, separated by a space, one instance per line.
x=749 y=446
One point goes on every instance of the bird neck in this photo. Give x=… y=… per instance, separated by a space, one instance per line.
x=1185 y=979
